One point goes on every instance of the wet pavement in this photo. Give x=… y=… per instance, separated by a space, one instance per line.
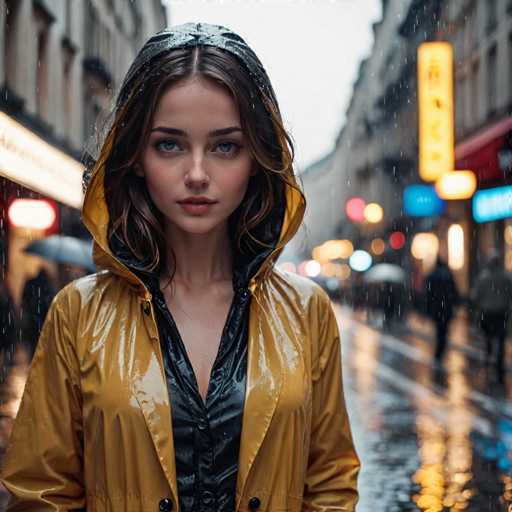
x=429 y=438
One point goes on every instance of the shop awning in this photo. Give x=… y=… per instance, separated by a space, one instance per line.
x=30 y=161
x=479 y=153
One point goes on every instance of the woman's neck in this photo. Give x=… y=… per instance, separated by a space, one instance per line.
x=201 y=260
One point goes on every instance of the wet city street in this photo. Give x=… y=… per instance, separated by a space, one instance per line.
x=429 y=439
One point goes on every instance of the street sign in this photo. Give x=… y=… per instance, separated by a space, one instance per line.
x=435 y=102
x=422 y=201
x=492 y=204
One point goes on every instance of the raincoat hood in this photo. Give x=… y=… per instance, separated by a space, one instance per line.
x=254 y=260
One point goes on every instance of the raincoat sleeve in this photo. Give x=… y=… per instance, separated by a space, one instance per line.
x=43 y=466
x=333 y=465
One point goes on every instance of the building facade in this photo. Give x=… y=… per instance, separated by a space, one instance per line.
x=376 y=152
x=61 y=62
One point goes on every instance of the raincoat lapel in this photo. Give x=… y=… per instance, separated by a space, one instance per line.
x=263 y=387
x=150 y=389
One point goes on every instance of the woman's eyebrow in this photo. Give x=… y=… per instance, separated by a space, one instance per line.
x=214 y=133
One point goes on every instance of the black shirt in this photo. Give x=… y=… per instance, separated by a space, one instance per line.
x=206 y=435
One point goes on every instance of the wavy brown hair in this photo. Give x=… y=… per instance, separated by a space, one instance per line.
x=135 y=222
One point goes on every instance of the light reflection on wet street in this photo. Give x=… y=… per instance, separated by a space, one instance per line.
x=429 y=438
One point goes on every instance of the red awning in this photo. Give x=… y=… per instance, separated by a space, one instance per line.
x=479 y=153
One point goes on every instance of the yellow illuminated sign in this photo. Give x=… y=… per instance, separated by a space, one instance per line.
x=435 y=100
x=30 y=161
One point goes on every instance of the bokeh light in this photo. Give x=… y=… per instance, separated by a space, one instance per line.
x=355 y=209
x=360 y=261
x=396 y=240
x=378 y=246
x=373 y=213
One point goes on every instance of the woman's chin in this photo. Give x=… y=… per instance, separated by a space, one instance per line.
x=198 y=225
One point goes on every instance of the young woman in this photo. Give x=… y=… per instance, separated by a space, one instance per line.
x=189 y=373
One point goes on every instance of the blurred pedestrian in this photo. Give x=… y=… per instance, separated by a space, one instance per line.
x=190 y=203
x=492 y=297
x=37 y=296
x=441 y=297
x=8 y=316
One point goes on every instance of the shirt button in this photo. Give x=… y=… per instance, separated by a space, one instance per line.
x=165 y=505
x=202 y=426
x=207 y=497
x=254 y=503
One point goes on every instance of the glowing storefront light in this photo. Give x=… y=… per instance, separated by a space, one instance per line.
x=425 y=246
x=332 y=250
x=492 y=204
x=373 y=213
x=435 y=101
x=30 y=161
x=31 y=214
x=456 y=247
x=456 y=185
x=360 y=261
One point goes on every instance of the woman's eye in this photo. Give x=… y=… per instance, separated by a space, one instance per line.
x=228 y=148
x=166 y=145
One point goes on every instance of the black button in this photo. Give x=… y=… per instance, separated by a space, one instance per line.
x=147 y=308
x=165 y=505
x=207 y=497
x=254 y=503
x=202 y=426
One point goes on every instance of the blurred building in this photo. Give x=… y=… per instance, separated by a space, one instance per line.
x=376 y=152
x=61 y=62
x=481 y=34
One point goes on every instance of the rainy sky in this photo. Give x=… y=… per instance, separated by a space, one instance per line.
x=311 y=50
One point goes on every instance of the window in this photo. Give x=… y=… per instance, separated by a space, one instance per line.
x=509 y=63
x=41 y=76
x=459 y=106
x=474 y=17
x=475 y=76
x=492 y=15
x=67 y=88
x=10 y=48
x=491 y=81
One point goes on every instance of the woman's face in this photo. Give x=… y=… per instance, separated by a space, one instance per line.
x=197 y=163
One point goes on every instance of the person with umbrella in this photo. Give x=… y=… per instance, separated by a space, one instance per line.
x=441 y=295
x=189 y=373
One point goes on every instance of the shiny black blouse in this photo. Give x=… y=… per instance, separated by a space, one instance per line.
x=206 y=435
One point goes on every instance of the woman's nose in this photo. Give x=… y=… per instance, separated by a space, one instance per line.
x=197 y=174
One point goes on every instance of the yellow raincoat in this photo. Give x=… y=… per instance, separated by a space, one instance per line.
x=94 y=429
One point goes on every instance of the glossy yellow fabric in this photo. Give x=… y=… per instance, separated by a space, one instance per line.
x=94 y=427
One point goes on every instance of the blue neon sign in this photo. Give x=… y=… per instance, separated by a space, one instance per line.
x=492 y=204
x=422 y=201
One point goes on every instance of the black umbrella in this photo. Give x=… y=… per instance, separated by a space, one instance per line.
x=64 y=249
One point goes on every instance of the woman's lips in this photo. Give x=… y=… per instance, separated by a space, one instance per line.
x=196 y=208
